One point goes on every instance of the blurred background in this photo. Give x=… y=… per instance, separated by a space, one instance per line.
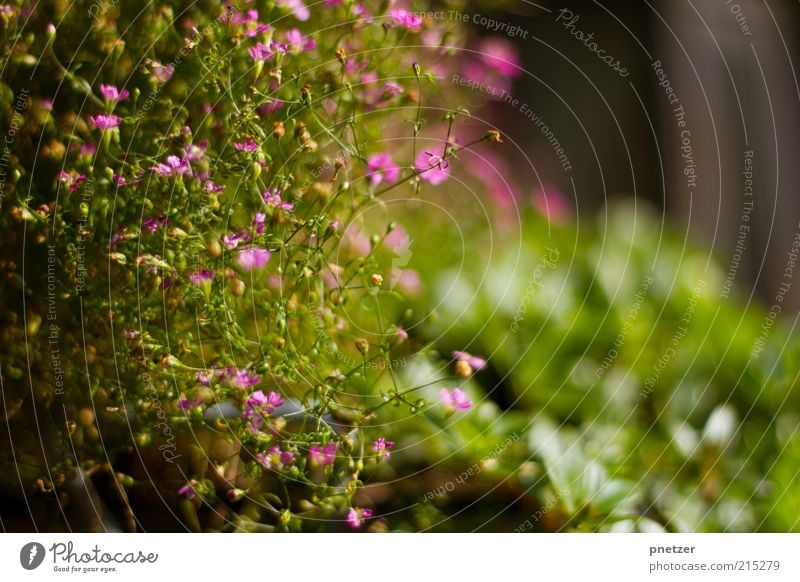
x=730 y=65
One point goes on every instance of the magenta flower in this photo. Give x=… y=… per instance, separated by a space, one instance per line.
x=390 y=89
x=72 y=182
x=202 y=276
x=297 y=43
x=380 y=167
x=253 y=258
x=163 y=73
x=232 y=241
x=500 y=55
x=248 y=145
x=401 y=333
x=186 y=404
x=153 y=224
x=321 y=456
x=454 y=400
x=356 y=516
x=261 y=52
x=432 y=168
x=274 y=199
x=172 y=166
x=204 y=377
x=259 y=222
x=211 y=187
x=382 y=447
x=475 y=362
x=105 y=122
x=262 y=403
x=406 y=19
x=250 y=19
x=275 y=458
x=188 y=491
x=113 y=95
x=297 y=7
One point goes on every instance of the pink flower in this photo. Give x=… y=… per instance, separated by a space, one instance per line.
x=250 y=19
x=163 y=73
x=432 y=168
x=258 y=222
x=356 y=516
x=454 y=400
x=406 y=19
x=297 y=43
x=173 y=166
x=204 y=377
x=188 y=491
x=186 y=404
x=382 y=447
x=500 y=55
x=321 y=456
x=261 y=52
x=232 y=241
x=390 y=89
x=258 y=404
x=211 y=187
x=274 y=199
x=253 y=258
x=297 y=7
x=113 y=95
x=275 y=458
x=401 y=333
x=72 y=182
x=105 y=122
x=153 y=224
x=380 y=167
x=475 y=362
x=248 y=145
x=270 y=107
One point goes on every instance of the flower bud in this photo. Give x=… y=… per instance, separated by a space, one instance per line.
x=362 y=346
x=376 y=279
x=278 y=130
x=341 y=55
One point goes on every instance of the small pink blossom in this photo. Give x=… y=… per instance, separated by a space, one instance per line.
x=162 y=73
x=113 y=95
x=248 y=145
x=475 y=362
x=380 y=167
x=356 y=516
x=261 y=52
x=454 y=400
x=172 y=166
x=105 y=122
x=253 y=258
x=382 y=447
x=406 y=19
x=321 y=456
x=231 y=241
x=501 y=55
x=275 y=458
x=297 y=7
x=274 y=199
x=72 y=182
x=297 y=43
x=432 y=168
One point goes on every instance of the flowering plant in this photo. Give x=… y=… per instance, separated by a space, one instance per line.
x=212 y=320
